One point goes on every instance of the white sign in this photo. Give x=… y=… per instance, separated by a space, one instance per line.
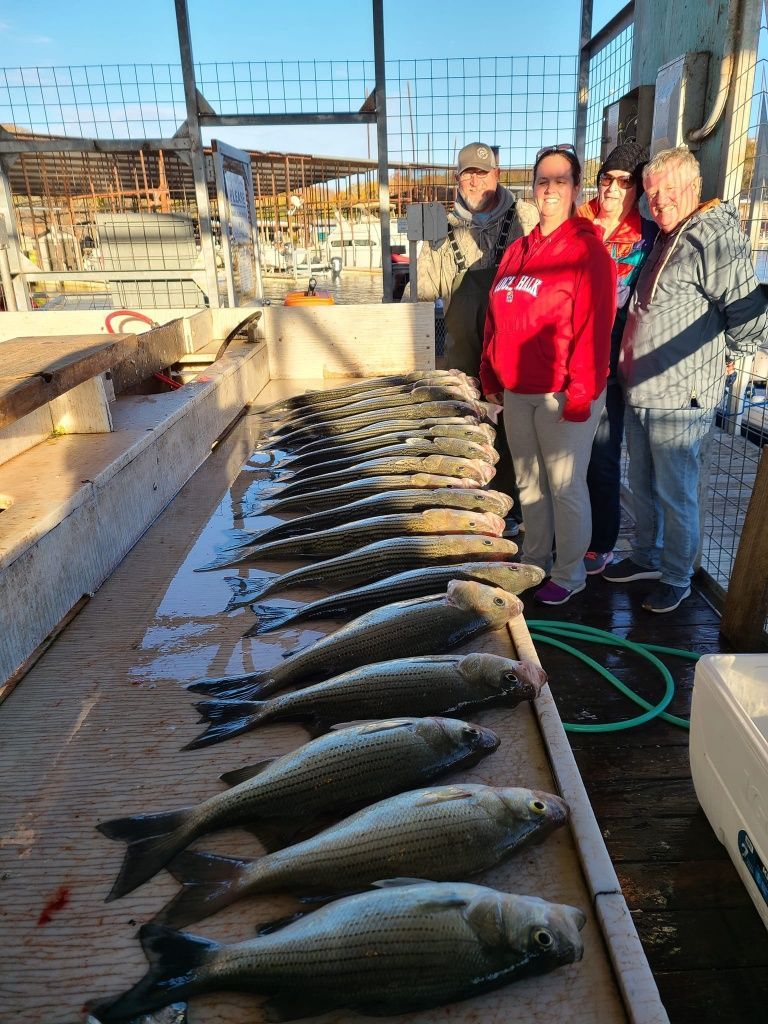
x=238 y=205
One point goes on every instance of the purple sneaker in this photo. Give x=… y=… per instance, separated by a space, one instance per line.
x=596 y=561
x=553 y=593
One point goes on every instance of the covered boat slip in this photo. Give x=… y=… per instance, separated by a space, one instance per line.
x=94 y=732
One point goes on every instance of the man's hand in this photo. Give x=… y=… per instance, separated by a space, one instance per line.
x=497 y=399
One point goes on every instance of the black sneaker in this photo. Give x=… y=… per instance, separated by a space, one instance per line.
x=665 y=598
x=511 y=528
x=627 y=571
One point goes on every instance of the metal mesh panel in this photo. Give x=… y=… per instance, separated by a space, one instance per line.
x=609 y=79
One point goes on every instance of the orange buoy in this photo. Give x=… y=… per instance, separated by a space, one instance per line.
x=308 y=299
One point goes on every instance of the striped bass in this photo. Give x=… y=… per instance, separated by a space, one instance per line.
x=398 y=949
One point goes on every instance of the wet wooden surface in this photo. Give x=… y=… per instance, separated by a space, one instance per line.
x=94 y=731
x=704 y=940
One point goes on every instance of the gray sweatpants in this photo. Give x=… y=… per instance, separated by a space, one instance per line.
x=551 y=456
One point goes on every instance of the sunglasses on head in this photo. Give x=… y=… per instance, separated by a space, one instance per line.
x=561 y=147
x=624 y=181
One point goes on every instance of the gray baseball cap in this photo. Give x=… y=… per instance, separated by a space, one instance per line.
x=476 y=154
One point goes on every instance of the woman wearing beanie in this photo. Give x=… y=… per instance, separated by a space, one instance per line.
x=628 y=237
x=546 y=347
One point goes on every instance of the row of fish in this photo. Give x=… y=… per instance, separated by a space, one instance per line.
x=403 y=502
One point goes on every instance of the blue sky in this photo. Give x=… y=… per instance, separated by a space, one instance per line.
x=45 y=33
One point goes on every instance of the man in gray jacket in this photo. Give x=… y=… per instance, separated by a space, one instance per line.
x=460 y=269
x=697 y=299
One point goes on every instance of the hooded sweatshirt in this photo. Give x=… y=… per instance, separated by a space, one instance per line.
x=550 y=315
x=696 y=296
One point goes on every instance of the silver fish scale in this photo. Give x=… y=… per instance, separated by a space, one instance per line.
x=415 y=583
x=331 y=496
x=411 y=499
x=406 y=628
x=361 y=766
x=424 y=410
x=347 y=536
x=353 y=442
x=452 y=446
x=361 y=405
x=373 y=689
x=386 y=557
x=397 y=425
x=447 y=465
x=442 y=842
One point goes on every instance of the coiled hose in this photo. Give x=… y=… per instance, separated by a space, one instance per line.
x=555 y=633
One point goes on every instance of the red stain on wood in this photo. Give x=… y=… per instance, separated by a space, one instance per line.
x=54 y=904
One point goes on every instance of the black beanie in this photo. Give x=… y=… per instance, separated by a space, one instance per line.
x=629 y=156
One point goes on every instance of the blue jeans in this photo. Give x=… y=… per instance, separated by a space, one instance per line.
x=664 y=447
x=604 y=472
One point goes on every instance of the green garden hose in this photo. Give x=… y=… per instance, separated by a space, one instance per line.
x=554 y=633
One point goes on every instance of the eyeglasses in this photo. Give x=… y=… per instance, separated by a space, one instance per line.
x=466 y=175
x=624 y=181
x=561 y=147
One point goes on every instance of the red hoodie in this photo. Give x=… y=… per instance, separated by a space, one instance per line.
x=550 y=314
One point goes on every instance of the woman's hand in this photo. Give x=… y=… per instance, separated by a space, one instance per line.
x=496 y=399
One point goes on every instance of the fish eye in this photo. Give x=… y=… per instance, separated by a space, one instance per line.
x=543 y=938
x=510 y=677
x=472 y=523
x=537 y=806
x=469 y=731
x=487 y=543
x=498 y=601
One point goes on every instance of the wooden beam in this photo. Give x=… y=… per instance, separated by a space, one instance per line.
x=746 y=603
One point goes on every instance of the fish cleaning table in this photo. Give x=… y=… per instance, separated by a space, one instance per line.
x=94 y=732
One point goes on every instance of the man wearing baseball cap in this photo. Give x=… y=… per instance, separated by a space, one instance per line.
x=460 y=269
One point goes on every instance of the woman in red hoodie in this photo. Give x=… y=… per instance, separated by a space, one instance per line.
x=546 y=347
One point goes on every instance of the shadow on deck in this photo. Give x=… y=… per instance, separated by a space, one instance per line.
x=705 y=942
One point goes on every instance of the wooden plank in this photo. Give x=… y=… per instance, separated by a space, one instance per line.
x=357 y=341
x=36 y=370
x=83 y=409
x=746 y=602
x=24 y=433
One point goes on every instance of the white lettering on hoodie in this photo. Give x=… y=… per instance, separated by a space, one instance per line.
x=518 y=283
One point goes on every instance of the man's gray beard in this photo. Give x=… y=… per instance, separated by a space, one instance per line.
x=487 y=205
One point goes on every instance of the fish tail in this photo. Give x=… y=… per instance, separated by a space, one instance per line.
x=270 y=618
x=176 y=962
x=153 y=839
x=209 y=883
x=227 y=719
x=242 y=594
x=233 y=687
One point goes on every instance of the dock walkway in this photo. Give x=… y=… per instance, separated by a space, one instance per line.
x=704 y=940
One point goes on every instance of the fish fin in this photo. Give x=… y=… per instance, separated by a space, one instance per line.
x=248 y=771
x=231 y=686
x=225 y=710
x=153 y=839
x=270 y=927
x=273 y=835
x=209 y=883
x=398 y=883
x=445 y=794
x=369 y=728
x=285 y=1006
x=217 y=732
x=174 y=959
x=270 y=618
x=235 y=538
x=443 y=901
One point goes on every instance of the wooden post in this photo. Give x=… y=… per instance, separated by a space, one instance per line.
x=746 y=602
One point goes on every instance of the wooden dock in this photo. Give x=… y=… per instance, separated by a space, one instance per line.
x=706 y=944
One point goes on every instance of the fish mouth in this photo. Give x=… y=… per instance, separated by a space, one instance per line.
x=487 y=739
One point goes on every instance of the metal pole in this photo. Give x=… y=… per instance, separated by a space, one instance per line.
x=5 y=270
x=17 y=295
x=196 y=152
x=383 y=154
x=582 y=82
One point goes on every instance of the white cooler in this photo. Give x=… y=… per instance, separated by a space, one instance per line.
x=729 y=761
